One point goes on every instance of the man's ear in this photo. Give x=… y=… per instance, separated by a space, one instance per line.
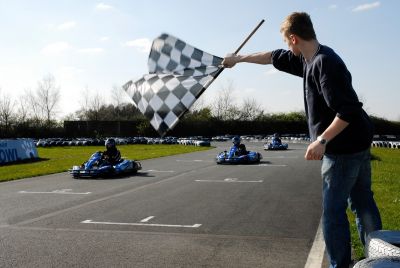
x=294 y=39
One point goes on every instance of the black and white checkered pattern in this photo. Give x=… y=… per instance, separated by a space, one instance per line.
x=178 y=75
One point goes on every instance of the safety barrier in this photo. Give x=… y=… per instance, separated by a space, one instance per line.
x=17 y=150
x=386 y=144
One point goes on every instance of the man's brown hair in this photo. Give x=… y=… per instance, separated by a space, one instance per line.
x=300 y=24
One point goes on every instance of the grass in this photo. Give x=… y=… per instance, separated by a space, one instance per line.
x=386 y=188
x=60 y=159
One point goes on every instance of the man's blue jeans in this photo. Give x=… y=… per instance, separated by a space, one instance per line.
x=347 y=181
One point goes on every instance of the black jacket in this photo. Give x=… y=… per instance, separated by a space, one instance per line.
x=112 y=155
x=328 y=92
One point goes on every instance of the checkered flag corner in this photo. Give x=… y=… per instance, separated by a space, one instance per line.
x=178 y=74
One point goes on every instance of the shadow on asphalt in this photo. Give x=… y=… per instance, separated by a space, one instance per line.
x=119 y=176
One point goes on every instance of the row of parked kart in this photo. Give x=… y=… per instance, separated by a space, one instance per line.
x=50 y=142
x=98 y=166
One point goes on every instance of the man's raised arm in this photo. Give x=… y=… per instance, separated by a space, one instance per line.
x=230 y=60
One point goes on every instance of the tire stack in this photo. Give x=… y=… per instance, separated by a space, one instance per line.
x=386 y=144
x=382 y=250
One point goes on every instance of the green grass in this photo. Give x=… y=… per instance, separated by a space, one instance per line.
x=386 y=188
x=59 y=159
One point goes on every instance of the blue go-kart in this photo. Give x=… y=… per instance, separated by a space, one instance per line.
x=232 y=157
x=96 y=166
x=275 y=145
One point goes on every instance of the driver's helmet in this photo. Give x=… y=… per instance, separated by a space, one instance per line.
x=236 y=140
x=276 y=135
x=110 y=144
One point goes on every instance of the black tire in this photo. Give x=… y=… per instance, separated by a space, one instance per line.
x=383 y=262
x=383 y=243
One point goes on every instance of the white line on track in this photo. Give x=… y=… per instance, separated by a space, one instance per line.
x=62 y=191
x=280 y=156
x=229 y=180
x=197 y=225
x=316 y=255
x=267 y=165
x=147 y=219
x=194 y=160
x=160 y=171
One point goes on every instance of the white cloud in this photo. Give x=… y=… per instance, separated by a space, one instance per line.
x=104 y=38
x=365 y=7
x=56 y=48
x=141 y=44
x=103 y=7
x=68 y=72
x=333 y=6
x=92 y=51
x=66 y=25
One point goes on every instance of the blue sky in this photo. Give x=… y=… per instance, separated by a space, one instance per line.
x=98 y=45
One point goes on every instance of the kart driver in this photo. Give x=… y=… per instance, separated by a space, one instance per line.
x=276 y=139
x=112 y=154
x=240 y=147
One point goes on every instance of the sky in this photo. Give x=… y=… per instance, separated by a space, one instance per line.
x=93 y=46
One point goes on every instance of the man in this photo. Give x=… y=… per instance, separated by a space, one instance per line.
x=240 y=147
x=276 y=139
x=340 y=130
x=112 y=154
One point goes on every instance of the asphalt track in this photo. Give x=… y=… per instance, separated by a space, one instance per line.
x=179 y=211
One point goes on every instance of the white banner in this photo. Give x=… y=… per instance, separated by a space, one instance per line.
x=17 y=150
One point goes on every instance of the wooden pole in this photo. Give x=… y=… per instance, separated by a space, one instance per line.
x=237 y=51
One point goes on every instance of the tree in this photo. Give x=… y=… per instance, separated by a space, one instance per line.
x=6 y=112
x=95 y=106
x=48 y=97
x=201 y=115
x=223 y=107
x=32 y=106
x=250 y=110
x=22 y=109
x=117 y=94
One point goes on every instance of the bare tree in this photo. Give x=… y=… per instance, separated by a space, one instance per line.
x=6 y=111
x=86 y=101
x=22 y=109
x=32 y=107
x=250 y=109
x=95 y=106
x=117 y=94
x=224 y=107
x=48 y=97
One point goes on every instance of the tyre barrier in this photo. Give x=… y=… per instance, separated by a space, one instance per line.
x=383 y=262
x=383 y=243
x=386 y=144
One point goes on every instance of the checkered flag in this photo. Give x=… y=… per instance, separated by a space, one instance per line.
x=178 y=75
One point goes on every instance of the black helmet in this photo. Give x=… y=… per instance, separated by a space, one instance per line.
x=236 y=140
x=110 y=143
x=276 y=135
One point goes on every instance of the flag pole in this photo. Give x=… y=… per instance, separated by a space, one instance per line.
x=248 y=37
x=237 y=51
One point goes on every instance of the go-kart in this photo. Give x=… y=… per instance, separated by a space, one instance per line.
x=232 y=157
x=97 y=166
x=275 y=145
